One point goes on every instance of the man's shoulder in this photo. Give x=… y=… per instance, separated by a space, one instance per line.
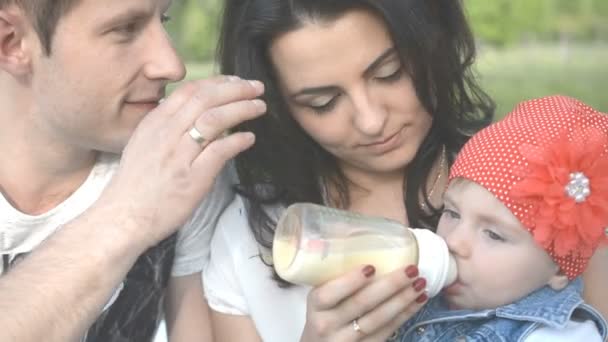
x=79 y=200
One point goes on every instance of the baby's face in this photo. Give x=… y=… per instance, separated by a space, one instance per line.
x=498 y=260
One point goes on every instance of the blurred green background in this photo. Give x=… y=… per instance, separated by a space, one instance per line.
x=527 y=48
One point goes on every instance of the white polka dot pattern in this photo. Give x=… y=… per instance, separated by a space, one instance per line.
x=504 y=154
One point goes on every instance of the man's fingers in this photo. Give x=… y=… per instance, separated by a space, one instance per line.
x=182 y=94
x=220 y=119
x=206 y=101
x=215 y=123
x=212 y=159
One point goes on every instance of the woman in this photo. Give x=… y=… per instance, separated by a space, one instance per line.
x=368 y=101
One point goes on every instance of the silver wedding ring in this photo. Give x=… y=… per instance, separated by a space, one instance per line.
x=196 y=135
x=357 y=327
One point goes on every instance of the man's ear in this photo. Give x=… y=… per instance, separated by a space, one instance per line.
x=558 y=281
x=15 y=54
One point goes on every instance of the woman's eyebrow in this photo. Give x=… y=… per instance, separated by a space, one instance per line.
x=332 y=88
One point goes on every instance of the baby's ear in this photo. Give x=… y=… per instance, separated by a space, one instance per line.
x=558 y=281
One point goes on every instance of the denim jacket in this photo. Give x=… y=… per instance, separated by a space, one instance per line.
x=512 y=322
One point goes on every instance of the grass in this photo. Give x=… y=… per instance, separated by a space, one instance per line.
x=515 y=74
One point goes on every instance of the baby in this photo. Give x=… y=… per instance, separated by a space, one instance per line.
x=526 y=207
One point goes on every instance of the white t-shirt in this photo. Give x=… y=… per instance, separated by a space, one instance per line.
x=237 y=282
x=21 y=233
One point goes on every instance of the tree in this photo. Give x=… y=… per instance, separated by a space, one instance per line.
x=194 y=28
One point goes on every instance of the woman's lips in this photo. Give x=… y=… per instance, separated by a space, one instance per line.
x=386 y=145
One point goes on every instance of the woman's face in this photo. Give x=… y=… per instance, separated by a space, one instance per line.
x=346 y=87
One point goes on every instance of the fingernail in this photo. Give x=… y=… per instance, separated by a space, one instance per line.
x=411 y=271
x=422 y=298
x=257 y=85
x=250 y=137
x=369 y=271
x=260 y=104
x=419 y=284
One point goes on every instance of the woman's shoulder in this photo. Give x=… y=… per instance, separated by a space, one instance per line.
x=233 y=225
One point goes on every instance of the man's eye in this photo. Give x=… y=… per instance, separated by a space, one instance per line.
x=165 y=18
x=127 y=29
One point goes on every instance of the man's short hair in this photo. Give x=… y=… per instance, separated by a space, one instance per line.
x=44 y=15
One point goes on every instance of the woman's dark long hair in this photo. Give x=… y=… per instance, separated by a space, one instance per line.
x=285 y=165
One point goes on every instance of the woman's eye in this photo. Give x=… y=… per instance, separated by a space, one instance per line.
x=324 y=107
x=390 y=75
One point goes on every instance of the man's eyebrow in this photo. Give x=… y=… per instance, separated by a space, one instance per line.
x=326 y=89
x=132 y=14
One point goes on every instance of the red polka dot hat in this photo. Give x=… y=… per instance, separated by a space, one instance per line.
x=547 y=161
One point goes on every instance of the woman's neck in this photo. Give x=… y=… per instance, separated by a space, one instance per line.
x=375 y=194
x=385 y=201
x=383 y=194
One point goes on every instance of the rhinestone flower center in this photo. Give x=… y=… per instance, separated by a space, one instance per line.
x=578 y=187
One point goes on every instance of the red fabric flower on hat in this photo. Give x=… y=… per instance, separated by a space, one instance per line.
x=566 y=184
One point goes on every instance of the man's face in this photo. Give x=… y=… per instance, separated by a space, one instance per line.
x=109 y=65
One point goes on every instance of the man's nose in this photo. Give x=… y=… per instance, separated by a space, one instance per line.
x=163 y=62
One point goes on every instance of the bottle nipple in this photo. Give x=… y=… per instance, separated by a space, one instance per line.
x=435 y=262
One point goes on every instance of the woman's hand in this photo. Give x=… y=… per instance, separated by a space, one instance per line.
x=378 y=306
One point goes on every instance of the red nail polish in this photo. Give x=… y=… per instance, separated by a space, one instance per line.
x=369 y=271
x=419 y=284
x=411 y=271
x=422 y=298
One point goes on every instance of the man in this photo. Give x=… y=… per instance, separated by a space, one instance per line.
x=89 y=238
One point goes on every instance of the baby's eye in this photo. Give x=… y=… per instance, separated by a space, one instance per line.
x=494 y=236
x=450 y=214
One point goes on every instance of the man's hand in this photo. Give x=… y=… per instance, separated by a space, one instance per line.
x=164 y=173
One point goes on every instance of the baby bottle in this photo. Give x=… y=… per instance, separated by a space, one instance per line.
x=314 y=244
